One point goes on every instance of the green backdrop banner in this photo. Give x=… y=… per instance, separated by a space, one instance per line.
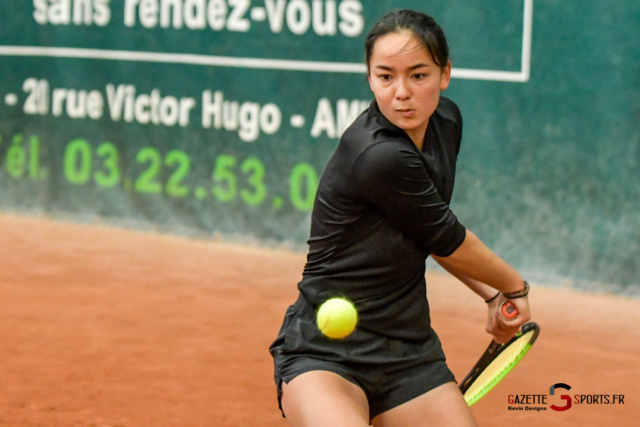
x=217 y=117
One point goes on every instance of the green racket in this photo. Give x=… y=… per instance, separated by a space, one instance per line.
x=496 y=362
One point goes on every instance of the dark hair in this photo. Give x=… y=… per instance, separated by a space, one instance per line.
x=420 y=24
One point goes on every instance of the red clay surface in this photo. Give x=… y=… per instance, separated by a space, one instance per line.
x=109 y=327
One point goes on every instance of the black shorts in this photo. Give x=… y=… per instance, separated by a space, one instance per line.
x=389 y=371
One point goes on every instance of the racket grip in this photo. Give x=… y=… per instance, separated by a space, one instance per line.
x=508 y=310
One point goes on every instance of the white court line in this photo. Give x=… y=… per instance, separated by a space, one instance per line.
x=275 y=64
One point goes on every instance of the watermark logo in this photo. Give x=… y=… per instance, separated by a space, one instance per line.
x=565 y=397
x=559 y=399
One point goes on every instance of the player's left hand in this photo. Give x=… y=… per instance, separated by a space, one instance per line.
x=501 y=328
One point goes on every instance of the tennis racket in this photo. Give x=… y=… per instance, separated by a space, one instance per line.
x=498 y=359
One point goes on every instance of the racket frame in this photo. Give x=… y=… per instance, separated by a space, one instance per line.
x=490 y=354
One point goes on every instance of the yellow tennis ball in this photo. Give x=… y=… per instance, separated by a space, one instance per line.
x=337 y=318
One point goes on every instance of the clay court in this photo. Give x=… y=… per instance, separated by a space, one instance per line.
x=109 y=327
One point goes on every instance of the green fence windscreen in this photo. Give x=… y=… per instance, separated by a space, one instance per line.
x=218 y=116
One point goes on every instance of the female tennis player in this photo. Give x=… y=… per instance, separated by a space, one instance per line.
x=381 y=209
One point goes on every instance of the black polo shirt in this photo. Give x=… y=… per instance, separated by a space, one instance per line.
x=381 y=208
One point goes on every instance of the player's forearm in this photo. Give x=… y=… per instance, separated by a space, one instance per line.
x=474 y=260
x=483 y=290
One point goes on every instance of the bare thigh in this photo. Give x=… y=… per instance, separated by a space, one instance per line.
x=443 y=406
x=322 y=398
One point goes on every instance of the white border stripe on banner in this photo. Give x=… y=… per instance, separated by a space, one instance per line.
x=274 y=64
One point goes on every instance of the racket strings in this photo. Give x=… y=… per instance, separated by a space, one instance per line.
x=498 y=368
